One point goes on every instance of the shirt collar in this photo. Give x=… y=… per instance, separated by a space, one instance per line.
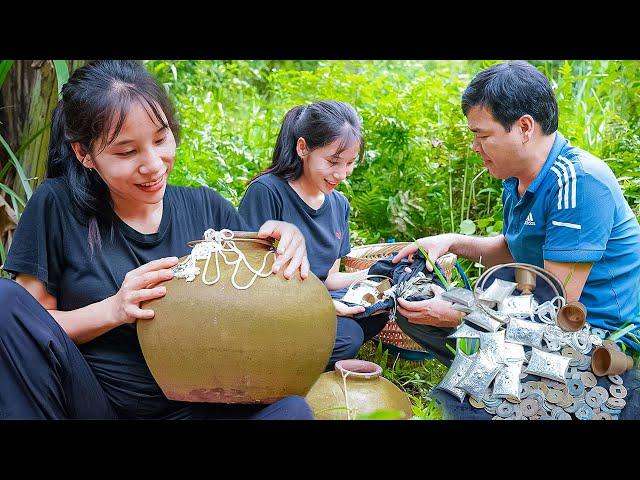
x=559 y=144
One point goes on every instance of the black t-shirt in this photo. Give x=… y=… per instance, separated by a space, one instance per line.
x=51 y=244
x=325 y=230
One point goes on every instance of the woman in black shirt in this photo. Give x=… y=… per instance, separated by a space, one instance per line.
x=95 y=240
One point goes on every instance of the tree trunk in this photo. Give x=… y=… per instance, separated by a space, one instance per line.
x=27 y=99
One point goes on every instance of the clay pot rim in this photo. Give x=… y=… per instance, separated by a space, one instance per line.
x=240 y=236
x=358 y=368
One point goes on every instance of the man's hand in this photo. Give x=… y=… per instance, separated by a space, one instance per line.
x=434 y=311
x=435 y=246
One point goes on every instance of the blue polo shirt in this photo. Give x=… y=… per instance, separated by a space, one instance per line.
x=574 y=211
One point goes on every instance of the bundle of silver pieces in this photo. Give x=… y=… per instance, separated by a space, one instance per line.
x=527 y=367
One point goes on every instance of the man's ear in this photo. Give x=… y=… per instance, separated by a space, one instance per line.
x=82 y=156
x=527 y=126
x=301 y=147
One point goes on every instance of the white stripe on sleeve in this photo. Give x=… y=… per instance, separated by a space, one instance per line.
x=565 y=224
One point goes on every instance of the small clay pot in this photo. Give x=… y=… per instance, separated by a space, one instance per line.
x=607 y=360
x=572 y=317
x=366 y=391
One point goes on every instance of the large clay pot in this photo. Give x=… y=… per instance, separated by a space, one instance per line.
x=366 y=391
x=216 y=343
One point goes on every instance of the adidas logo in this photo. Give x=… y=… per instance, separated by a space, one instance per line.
x=529 y=220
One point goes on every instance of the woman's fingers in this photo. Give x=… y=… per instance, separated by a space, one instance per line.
x=149 y=279
x=299 y=254
x=159 y=264
x=145 y=294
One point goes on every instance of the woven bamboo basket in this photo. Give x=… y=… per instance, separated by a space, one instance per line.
x=366 y=255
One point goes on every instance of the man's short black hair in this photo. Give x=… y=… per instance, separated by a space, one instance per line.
x=510 y=90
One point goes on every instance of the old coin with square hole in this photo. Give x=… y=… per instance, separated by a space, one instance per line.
x=589 y=379
x=614 y=402
x=618 y=391
x=575 y=387
x=566 y=400
x=476 y=403
x=575 y=405
x=617 y=379
x=554 y=396
x=570 y=352
x=505 y=410
x=601 y=392
x=610 y=411
x=564 y=416
x=593 y=399
x=529 y=407
x=584 y=413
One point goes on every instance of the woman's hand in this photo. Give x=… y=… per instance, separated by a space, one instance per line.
x=140 y=285
x=291 y=247
x=343 y=310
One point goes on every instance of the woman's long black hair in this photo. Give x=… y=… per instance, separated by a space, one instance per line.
x=320 y=124
x=91 y=111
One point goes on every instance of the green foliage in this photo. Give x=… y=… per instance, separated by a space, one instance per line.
x=419 y=175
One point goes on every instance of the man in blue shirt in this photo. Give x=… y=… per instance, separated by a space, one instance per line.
x=563 y=209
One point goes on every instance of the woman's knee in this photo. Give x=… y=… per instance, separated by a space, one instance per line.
x=349 y=338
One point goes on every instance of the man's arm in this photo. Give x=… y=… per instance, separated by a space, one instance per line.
x=489 y=250
x=572 y=275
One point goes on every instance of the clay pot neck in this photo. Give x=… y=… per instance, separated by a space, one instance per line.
x=360 y=369
x=243 y=238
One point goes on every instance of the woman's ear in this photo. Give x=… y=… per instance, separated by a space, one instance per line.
x=82 y=155
x=301 y=147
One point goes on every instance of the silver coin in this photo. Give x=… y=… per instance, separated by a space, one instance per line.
x=617 y=379
x=618 y=391
x=497 y=418
x=564 y=416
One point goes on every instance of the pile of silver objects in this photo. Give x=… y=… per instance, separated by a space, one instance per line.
x=527 y=367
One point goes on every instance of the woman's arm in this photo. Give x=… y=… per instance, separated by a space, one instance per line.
x=84 y=324
x=336 y=280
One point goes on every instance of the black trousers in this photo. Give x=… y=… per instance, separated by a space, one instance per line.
x=43 y=374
